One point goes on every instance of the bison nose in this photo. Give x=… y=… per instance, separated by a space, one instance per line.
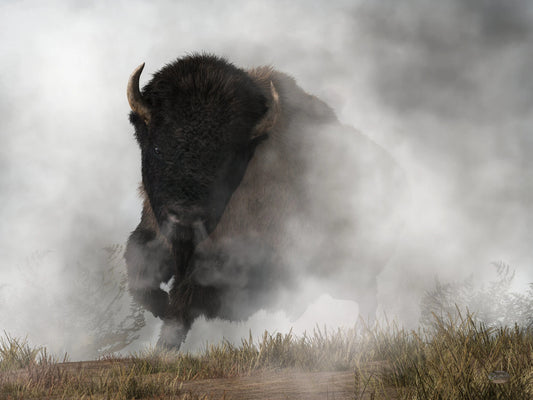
x=169 y=216
x=173 y=219
x=184 y=216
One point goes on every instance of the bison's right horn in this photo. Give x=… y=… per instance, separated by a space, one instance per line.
x=135 y=98
x=271 y=117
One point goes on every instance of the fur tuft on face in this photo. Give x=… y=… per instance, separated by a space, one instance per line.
x=205 y=88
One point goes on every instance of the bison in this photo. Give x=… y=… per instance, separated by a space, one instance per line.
x=255 y=196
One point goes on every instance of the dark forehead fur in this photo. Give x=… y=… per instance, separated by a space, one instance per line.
x=206 y=87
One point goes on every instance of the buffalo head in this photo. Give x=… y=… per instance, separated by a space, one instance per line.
x=197 y=123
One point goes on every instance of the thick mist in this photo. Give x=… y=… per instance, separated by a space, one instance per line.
x=444 y=88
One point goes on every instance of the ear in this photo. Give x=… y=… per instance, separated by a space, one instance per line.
x=141 y=130
x=271 y=116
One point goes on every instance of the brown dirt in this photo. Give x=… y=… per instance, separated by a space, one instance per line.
x=284 y=385
x=274 y=385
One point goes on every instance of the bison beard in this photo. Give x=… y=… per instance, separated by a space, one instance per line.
x=249 y=185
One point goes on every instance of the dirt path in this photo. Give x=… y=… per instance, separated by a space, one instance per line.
x=279 y=385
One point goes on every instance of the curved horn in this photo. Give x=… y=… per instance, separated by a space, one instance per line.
x=271 y=117
x=135 y=99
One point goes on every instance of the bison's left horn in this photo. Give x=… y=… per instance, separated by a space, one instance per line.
x=135 y=98
x=272 y=115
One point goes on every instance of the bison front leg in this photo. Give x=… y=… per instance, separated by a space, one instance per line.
x=149 y=262
x=188 y=301
x=180 y=313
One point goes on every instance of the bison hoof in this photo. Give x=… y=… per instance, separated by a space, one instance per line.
x=172 y=336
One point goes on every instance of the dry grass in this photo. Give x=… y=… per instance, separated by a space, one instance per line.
x=17 y=353
x=159 y=374
x=452 y=361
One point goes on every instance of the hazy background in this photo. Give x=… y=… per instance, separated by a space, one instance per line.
x=445 y=87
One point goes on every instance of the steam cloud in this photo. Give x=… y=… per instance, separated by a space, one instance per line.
x=445 y=88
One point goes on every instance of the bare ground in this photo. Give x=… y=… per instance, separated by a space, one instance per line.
x=285 y=384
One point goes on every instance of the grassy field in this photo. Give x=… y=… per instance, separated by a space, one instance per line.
x=455 y=359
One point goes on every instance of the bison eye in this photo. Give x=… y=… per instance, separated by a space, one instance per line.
x=157 y=151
